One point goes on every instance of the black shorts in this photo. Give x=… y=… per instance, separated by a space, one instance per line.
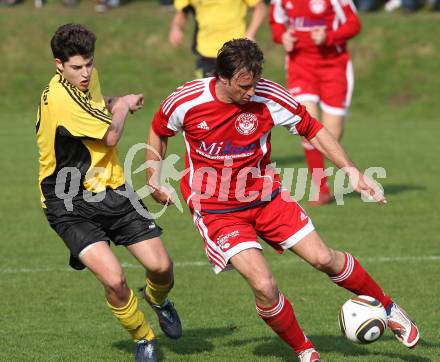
x=205 y=67
x=112 y=219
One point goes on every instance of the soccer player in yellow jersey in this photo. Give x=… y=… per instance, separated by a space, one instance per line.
x=217 y=21
x=84 y=194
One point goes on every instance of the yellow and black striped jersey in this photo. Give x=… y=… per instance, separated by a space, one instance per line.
x=70 y=127
x=218 y=21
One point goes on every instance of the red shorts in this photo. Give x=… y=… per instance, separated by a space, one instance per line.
x=281 y=222
x=327 y=81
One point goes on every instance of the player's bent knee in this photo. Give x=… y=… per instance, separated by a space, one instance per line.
x=266 y=290
x=161 y=267
x=324 y=261
x=117 y=287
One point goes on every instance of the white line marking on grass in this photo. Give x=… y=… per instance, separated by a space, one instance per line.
x=190 y=264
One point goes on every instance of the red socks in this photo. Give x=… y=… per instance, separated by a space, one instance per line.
x=281 y=318
x=315 y=164
x=354 y=278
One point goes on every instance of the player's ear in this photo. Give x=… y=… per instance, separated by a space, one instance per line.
x=59 y=65
x=223 y=80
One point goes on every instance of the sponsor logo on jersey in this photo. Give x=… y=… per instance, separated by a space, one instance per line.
x=224 y=149
x=246 y=123
x=203 y=125
x=317 y=6
x=304 y=23
x=222 y=240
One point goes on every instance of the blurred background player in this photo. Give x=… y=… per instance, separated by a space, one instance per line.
x=77 y=132
x=314 y=34
x=235 y=197
x=216 y=23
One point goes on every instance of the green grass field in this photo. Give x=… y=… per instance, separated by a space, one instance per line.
x=51 y=313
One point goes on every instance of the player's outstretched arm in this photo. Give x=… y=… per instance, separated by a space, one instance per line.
x=155 y=153
x=258 y=16
x=120 y=109
x=175 y=37
x=332 y=149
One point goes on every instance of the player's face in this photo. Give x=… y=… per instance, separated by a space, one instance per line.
x=77 y=70
x=241 y=87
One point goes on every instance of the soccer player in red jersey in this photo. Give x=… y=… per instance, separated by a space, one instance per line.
x=314 y=34
x=234 y=196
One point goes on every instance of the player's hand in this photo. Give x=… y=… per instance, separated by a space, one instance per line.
x=318 y=35
x=163 y=195
x=367 y=187
x=134 y=102
x=288 y=40
x=175 y=37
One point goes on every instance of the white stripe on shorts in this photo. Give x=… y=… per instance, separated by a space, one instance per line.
x=332 y=110
x=306 y=98
x=300 y=234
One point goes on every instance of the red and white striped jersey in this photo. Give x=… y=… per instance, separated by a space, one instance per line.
x=228 y=144
x=339 y=17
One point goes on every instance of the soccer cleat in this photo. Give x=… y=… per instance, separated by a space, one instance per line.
x=146 y=351
x=309 y=355
x=169 y=320
x=403 y=327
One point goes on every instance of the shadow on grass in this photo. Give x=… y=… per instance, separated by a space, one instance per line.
x=274 y=347
x=395 y=189
x=196 y=341
x=193 y=341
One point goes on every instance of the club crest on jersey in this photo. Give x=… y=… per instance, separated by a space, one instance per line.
x=246 y=123
x=317 y=6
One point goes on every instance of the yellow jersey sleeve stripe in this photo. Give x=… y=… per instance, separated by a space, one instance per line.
x=87 y=107
x=64 y=81
x=96 y=110
x=90 y=110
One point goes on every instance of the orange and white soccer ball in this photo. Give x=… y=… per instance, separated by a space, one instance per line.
x=362 y=319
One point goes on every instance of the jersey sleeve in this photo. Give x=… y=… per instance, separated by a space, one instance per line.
x=83 y=116
x=167 y=123
x=350 y=24
x=277 y=20
x=308 y=126
x=169 y=120
x=285 y=111
x=161 y=125
x=86 y=122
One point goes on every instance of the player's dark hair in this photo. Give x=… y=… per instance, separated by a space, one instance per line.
x=72 y=39
x=237 y=55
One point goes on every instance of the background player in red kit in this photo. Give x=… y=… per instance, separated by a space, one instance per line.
x=234 y=197
x=319 y=70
